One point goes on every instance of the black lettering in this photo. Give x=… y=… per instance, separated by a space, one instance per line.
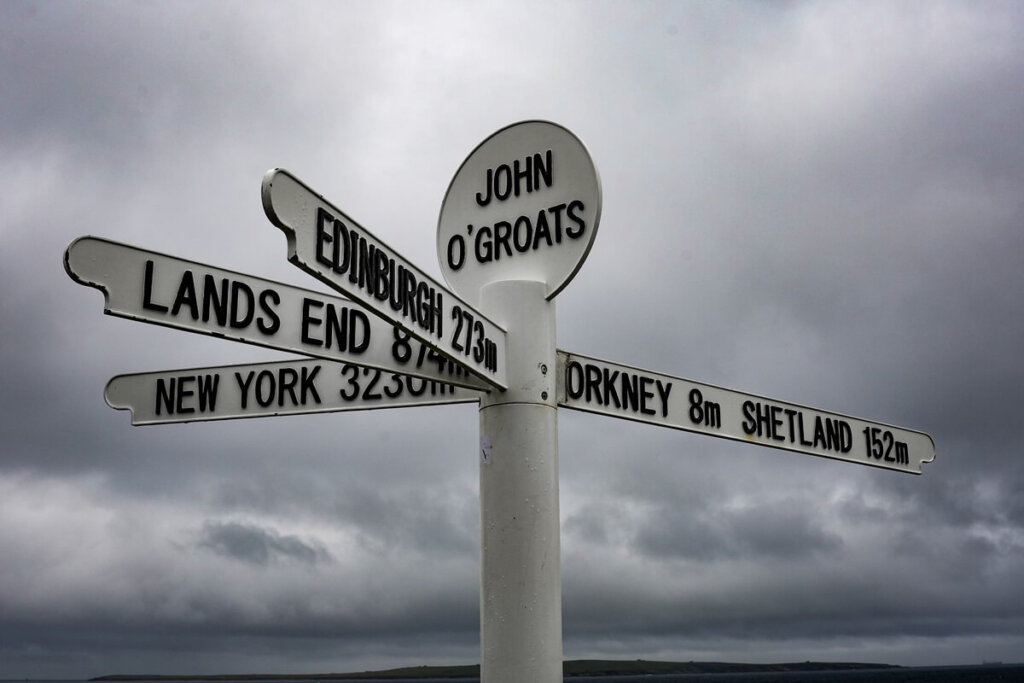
x=370 y=393
x=165 y=395
x=630 y=392
x=483 y=247
x=502 y=173
x=308 y=320
x=542 y=169
x=521 y=173
x=556 y=212
x=459 y=322
x=415 y=392
x=217 y=301
x=646 y=394
x=265 y=389
x=336 y=326
x=409 y=298
x=819 y=433
x=524 y=229
x=184 y=393
x=394 y=388
x=186 y=296
x=846 y=437
x=366 y=268
x=385 y=269
x=401 y=349
x=484 y=200
x=663 y=391
x=478 y=343
x=581 y=225
x=352 y=250
x=323 y=238
x=275 y=321
x=541 y=230
x=791 y=415
x=764 y=420
x=749 y=421
x=776 y=423
x=358 y=331
x=502 y=234
x=396 y=289
x=574 y=379
x=307 y=384
x=696 y=411
x=610 y=395
x=593 y=379
x=287 y=379
x=526 y=174
x=803 y=441
x=238 y=289
x=243 y=386
x=834 y=437
x=353 y=383
x=436 y=326
x=340 y=261
x=208 y=392
x=147 y=293
x=455 y=262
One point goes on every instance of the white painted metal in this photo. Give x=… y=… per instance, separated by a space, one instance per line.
x=326 y=243
x=520 y=588
x=145 y=286
x=524 y=205
x=296 y=387
x=606 y=388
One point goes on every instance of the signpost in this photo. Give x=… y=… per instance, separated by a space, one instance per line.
x=515 y=226
x=296 y=387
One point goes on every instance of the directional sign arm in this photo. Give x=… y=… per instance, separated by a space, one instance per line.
x=155 y=288
x=296 y=387
x=335 y=249
x=606 y=388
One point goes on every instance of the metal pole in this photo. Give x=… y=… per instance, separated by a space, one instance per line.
x=520 y=560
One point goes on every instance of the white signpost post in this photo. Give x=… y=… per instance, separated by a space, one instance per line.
x=515 y=226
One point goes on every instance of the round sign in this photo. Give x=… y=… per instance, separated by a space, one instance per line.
x=524 y=205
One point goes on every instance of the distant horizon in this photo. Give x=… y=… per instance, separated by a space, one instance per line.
x=328 y=675
x=341 y=675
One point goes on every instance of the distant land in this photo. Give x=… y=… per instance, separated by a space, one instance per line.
x=576 y=667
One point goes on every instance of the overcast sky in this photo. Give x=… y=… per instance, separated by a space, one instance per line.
x=816 y=202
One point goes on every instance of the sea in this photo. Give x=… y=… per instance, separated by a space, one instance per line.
x=987 y=673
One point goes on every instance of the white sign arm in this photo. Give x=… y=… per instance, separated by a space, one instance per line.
x=339 y=252
x=155 y=288
x=597 y=386
x=296 y=387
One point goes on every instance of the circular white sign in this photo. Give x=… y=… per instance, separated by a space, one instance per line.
x=524 y=205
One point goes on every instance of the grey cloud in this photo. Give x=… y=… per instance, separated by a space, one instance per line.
x=259 y=546
x=668 y=531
